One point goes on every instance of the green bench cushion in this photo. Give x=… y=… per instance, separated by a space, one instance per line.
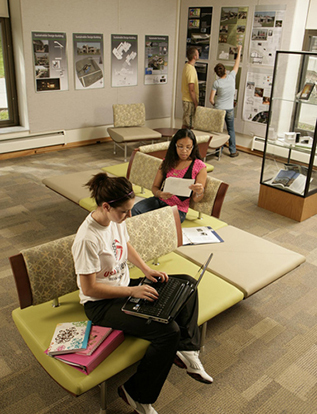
x=215 y=294
x=36 y=325
x=119 y=170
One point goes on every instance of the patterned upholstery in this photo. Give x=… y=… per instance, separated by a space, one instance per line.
x=127 y=115
x=144 y=169
x=153 y=234
x=51 y=269
x=161 y=146
x=207 y=202
x=209 y=119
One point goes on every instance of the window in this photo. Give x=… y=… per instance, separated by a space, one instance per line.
x=8 y=95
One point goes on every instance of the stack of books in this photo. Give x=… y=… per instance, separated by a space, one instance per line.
x=83 y=345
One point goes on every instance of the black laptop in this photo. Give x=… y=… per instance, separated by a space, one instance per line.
x=173 y=294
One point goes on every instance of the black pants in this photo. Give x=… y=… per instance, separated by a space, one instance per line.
x=182 y=334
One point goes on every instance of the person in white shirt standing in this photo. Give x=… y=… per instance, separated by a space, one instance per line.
x=223 y=89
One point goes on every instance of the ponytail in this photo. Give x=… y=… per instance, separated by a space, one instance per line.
x=112 y=190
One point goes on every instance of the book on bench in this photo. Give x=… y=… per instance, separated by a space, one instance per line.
x=69 y=337
x=97 y=335
x=87 y=363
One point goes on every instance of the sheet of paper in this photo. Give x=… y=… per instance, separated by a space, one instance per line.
x=178 y=186
x=200 y=235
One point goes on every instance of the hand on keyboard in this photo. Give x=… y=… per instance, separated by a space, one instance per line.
x=145 y=291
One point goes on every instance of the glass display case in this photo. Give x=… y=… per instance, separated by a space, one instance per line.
x=288 y=183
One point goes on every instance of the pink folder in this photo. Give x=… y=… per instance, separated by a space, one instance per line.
x=87 y=363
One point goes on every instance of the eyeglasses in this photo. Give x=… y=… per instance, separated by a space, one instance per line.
x=182 y=148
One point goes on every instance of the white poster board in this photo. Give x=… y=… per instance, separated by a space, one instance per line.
x=50 y=61
x=124 y=60
x=156 y=60
x=88 y=60
x=266 y=34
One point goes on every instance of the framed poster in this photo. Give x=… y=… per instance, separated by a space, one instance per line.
x=266 y=34
x=88 y=60
x=257 y=96
x=156 y=60
x=198 y=29
x=231 y=31
x=50 y=62
x=124 y=62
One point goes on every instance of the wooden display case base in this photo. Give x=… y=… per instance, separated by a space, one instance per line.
x=287 y=204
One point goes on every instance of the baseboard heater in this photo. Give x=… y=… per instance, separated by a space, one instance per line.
x=33 y=141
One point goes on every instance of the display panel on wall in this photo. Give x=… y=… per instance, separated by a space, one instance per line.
x=266 y=34
x=156 y=60
x=202 y=71
x=88 y=60
x=199 y=29
x=232 y=29
x=124 y=60
x=257 y=96
x=50 y=61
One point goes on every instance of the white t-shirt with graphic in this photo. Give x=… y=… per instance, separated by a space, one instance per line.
x=101 y=250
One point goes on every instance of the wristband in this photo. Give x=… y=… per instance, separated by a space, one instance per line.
x=198 y=195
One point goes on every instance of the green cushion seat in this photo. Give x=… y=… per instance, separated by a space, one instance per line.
x=119 y=170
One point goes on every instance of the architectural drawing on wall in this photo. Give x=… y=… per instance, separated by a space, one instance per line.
x=266 y=34
x=156 y=60
x=232 y=29
x=199 y=29
x=88 y=60
x=257 y=96
x=50 y=62
x=124 y=60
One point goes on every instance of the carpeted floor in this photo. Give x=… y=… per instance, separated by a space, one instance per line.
x=262 y=352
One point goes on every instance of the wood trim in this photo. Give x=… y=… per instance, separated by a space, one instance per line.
x=203 y=147
x=178 y=226
x=22 y=281
x=131 y=162
x=219 y=199
x=287 y=204
x=43 y=150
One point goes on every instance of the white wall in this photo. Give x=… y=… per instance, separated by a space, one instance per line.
x=311 y=16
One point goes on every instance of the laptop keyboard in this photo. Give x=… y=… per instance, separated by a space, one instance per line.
x=166 y=291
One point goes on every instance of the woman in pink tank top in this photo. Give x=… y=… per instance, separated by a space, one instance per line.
x=182 y=161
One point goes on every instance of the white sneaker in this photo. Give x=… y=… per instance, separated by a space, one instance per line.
x=138 y=407
x=190 y=360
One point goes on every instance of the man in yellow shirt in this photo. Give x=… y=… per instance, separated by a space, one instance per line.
x=190 y=90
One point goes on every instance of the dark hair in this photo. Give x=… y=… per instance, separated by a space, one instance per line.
x=220 y=70
x=190 y=53
x=112 y=190
x=172 y=157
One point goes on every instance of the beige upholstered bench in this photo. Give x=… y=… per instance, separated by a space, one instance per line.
x=209 y=120
x=246 y=261
x=128 y=126
x=71 y=186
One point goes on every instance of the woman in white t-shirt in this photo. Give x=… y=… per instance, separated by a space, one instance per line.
x=101 y=249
